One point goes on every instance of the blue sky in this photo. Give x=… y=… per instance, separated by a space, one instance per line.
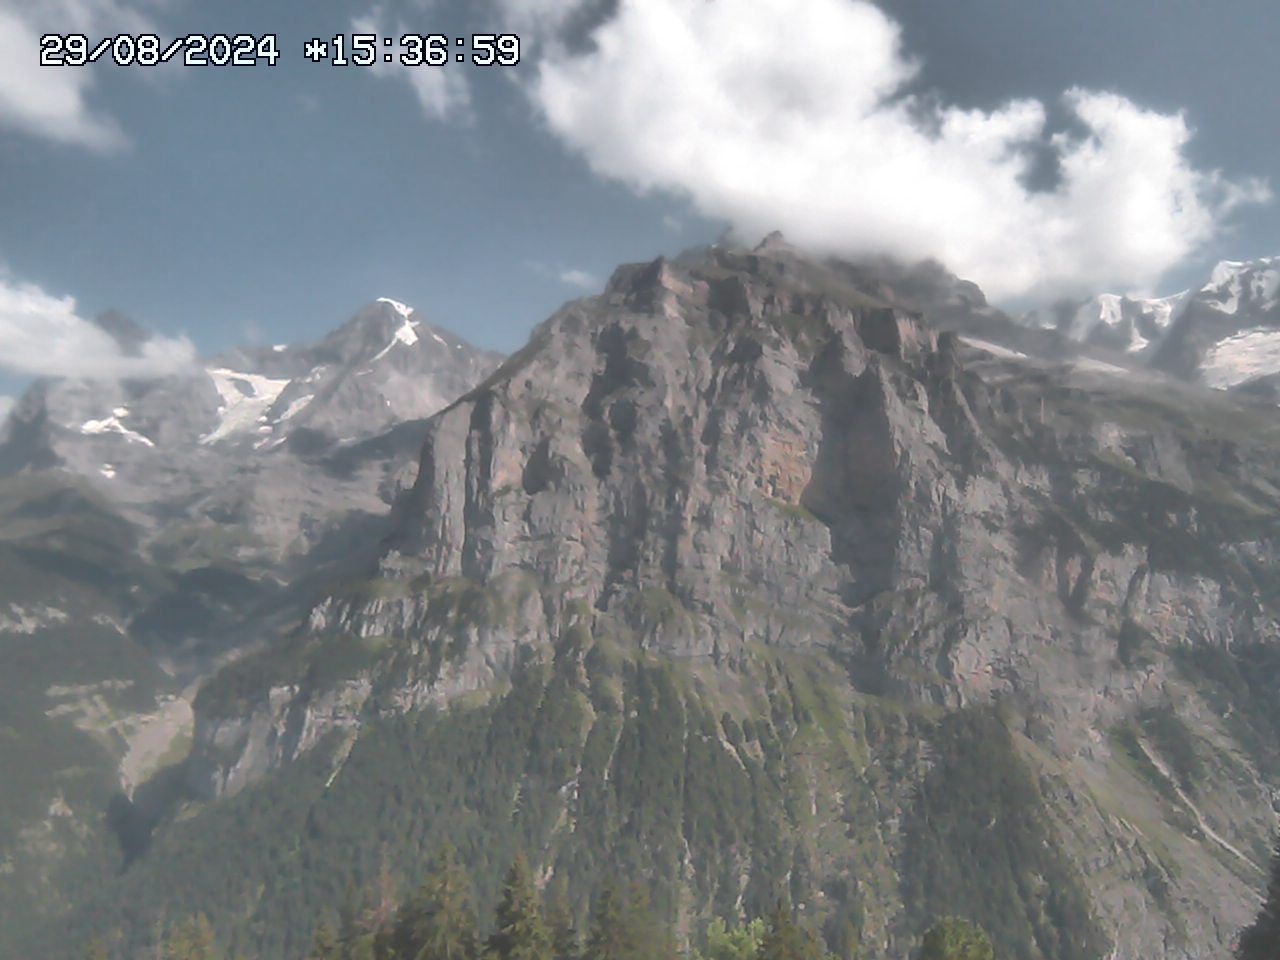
x=226 y=204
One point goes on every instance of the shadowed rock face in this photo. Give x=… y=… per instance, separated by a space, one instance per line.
x=699 y=430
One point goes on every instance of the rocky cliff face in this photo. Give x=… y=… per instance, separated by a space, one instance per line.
x=743 y=456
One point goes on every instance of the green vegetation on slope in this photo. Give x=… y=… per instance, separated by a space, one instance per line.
x=980 y=845
x=720 y=794
x=436 y=922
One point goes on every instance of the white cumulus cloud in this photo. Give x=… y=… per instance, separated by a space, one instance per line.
x=442 y=93
x=42 y=335
x=53 y=101
x=770 y=118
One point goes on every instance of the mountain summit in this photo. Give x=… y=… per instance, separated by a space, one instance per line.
x=274 y=439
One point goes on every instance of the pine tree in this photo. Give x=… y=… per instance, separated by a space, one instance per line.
x=1261 y=940
x=740 y=942
x=844 y=940
x=652 y=937
x=436 y=922
x=608 y=938
x=364 y=917
x=787 y=940
x=623 y=927
x=564 y=937
x=325 y=944
x=955 y=939
x=192 y=940
x=520 y=933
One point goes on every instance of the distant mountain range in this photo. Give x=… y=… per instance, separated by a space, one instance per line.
x=1224 y=334
x=280 y=442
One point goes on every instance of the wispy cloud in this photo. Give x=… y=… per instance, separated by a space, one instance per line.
x=53 y=102
x=578 y=278
x=442 y=93
x=42 y=335
x=569 y=276
x=771 y=120
x=6 y=404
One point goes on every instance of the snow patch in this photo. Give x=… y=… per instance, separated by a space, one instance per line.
x=405 y=334
x=1226 y=272
x=994 y=349
x=397 y=306
x=279 y=347
x=112 y=424
x=1166 y=309
x=1225 y=279
x=108 y=471
x=1248 y=354
x=246 y=397
x=294 y=408
x=1098 y=366
x=120 y=412
x=27 y=620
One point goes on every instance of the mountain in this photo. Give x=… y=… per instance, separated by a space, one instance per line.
x=743 y=579
x=150 y=530
x=271 y=440
x=1118 y=323
x=1224 y=335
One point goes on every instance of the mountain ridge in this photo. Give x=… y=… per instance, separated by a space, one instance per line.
x=763 y=575
x=1220 y=334
x=744 y=466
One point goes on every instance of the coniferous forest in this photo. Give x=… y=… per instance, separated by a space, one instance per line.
x=437 y=921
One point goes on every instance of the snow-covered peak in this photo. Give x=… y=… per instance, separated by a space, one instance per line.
x=1106 y=309
x=1225 y=272
x=1108 y=319
x=1235 y=282
x=397 y=306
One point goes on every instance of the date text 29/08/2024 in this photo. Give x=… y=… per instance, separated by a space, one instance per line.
x=410 y=50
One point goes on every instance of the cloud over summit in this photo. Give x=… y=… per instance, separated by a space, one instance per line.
x=42 y=335
x=770 y=118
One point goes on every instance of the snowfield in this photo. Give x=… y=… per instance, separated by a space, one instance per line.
x=246 y=398
x=1237 y=359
